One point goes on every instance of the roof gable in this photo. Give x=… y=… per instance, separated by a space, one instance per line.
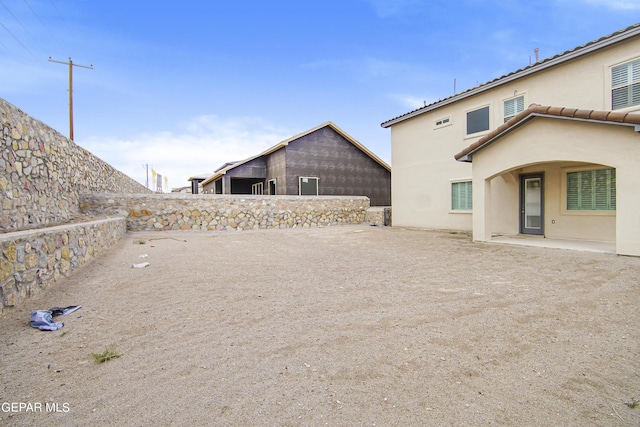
x=535 y=110
x=282 y=144
x=560 y=58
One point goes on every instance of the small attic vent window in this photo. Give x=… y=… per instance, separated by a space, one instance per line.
x=443 y=122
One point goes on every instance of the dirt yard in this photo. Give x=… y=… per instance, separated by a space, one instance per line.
x=340 y=326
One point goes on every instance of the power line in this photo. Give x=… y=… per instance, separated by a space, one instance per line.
x=6 y=47
x=16 y=18
x=18 y=40
x=60 y=15
x=56 y=8
x=37 y=16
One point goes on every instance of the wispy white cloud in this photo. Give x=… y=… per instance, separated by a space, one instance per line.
x=411 y=102
x=389 y=8
x=375 y=68
x=616 y=4
x=203 y=144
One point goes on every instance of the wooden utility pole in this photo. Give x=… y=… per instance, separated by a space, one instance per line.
x=71 y=65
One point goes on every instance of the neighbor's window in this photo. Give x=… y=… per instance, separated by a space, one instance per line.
x=478 y=120
x=512 y=107
x=591 y=190
x=625 y=85
x=308 y=186
x=461 y=196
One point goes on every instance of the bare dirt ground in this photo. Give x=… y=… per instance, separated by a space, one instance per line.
x=340 y=326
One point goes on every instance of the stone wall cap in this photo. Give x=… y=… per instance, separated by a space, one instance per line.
x=14 y=235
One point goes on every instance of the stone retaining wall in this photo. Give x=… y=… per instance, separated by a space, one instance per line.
x=162 y=212
x=379 y=215
x=32 y=260
x=42 y=173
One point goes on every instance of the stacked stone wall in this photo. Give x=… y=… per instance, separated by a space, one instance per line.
x=42 y=174
x=33 y=260
x=379 y=215
x=164 y=212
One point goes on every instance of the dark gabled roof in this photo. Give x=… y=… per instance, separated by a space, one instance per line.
x=608 y=40
x=228 y=166
x=535 y=110
x=199 y=177
x=225 y=166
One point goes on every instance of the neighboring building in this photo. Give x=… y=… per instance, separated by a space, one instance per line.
x=186 y=189
x=322 y=161
x=555 y=172
x=196 y=182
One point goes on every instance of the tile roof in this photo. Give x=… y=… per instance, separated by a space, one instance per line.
x=535 y=110
x=604 y=41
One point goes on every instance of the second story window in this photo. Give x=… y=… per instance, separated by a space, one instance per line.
x=512 y=107
x=625 y=84
x=478 y=120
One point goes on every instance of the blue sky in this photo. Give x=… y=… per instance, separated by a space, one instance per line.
x=187 y=86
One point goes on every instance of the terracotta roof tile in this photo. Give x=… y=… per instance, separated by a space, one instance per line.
x=582 y=114
x=616 y=117
x=568 y=112
x=600 y=115
x=632 y=118
x=562 y=112
x=535 y=108
x=540 y=64
x=554 y=110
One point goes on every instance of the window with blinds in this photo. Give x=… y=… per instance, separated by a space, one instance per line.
x=591 y=190
x=461 y=196
x=625 y=85
x=512 y=107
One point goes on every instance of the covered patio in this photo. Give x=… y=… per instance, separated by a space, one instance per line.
x=555 y=243
x=562 y=174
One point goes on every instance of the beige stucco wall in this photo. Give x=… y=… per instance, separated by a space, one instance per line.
x=422 y=155
x=555 y=146
x=421 y=182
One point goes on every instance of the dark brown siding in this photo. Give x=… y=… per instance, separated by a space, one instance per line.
x=277 y=169
x=342 y=168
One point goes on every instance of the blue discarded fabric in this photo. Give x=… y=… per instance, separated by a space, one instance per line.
x=43 y=319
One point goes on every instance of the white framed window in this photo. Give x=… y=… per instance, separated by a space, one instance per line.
x=442 y=122
x=462 y=195
x=272 y=187
x=257 y=188
x=478 y=120
x=625 y=84
x=512 y=107
x=308 y=186
x=590 y=190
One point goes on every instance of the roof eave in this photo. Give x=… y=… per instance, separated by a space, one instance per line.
x=543 y=65
x=468 y=156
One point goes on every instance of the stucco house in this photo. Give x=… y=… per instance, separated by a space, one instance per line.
x=322 y=161
x=564 y=167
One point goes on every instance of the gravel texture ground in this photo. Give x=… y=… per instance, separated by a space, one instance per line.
x=339 y=326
